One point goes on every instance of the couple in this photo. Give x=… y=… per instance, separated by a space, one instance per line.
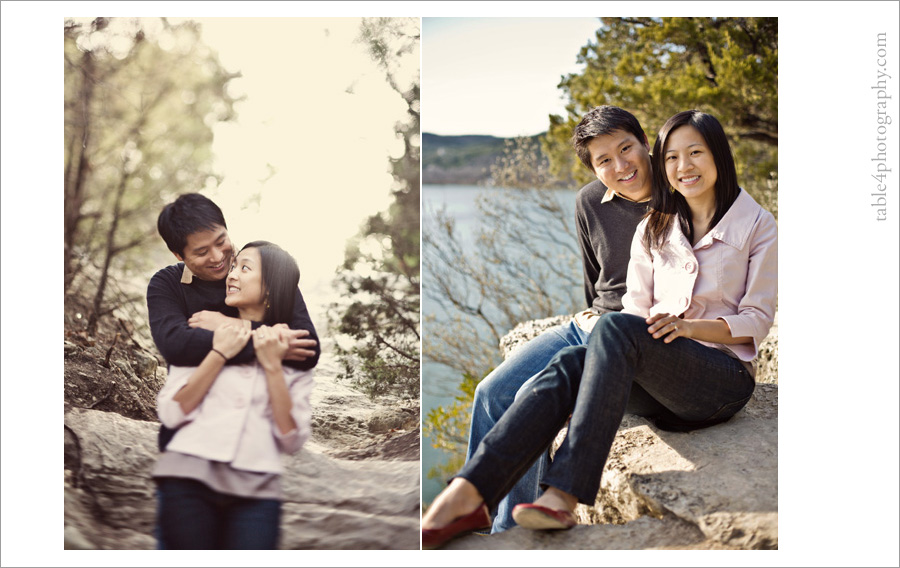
x=680 y=270
x=240 y=347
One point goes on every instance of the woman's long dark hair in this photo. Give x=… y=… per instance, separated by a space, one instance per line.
x=665 y=204
x=280 y=276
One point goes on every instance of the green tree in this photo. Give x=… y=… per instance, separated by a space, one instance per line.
x=380 y=275
x=141 y=97
x=655 y=67
x=448 y=427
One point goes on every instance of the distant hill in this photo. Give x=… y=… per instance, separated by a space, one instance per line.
x=459 y=159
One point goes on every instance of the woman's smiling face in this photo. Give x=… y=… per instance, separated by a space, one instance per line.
x=690 y=167
x=244 y=287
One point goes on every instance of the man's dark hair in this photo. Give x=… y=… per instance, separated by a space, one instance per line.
x=600 y=121
x=280 y=276
x=186 y=215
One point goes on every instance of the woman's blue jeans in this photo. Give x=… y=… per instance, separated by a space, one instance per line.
x=191 y=516
x=593 y=384
x=496 y=393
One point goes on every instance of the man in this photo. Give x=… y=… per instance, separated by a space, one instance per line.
x=186 y=301
x=610 y=142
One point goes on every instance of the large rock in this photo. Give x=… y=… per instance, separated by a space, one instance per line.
x=329 y=503
x=723 y=479
x=715 y=488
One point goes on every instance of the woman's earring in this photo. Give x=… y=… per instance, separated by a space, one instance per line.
x=671 y=189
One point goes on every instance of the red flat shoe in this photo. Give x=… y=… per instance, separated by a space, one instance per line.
x=477 y=519
x=535 y=517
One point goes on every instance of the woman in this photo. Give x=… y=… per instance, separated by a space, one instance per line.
x=701 y=297
x=219 y=478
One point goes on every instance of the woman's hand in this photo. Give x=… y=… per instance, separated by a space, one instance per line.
x=669 y=327
x=270 y=344
x=713 y=331
x=230 y=339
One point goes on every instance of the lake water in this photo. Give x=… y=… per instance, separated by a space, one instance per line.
x=439 y=382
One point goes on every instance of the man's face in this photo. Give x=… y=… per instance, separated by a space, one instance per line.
x=622 y=163
x=208 y=253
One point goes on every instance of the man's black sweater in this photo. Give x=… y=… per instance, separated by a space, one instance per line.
x=605 y=232
x=170 y=303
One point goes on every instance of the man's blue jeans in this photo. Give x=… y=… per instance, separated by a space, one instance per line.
x=192 y=516
x=593 y=384
x=496 y=393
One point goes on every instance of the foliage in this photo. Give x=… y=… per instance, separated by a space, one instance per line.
x=448 y=427
x=655 y=67
x=141 y=97
x=380 y=274
x=459 y=159
x=519 y=263
x=523 y=165
x=460 y=151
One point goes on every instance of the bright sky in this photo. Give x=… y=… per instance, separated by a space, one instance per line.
x=327 y=146
x=497 y=76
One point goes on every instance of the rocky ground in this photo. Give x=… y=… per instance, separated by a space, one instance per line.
x=710 y=489
x=357 y=478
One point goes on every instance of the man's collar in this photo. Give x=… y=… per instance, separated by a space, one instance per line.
x=610 y=193
x=186 y=276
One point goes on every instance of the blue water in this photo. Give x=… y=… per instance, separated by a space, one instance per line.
x=439 y=382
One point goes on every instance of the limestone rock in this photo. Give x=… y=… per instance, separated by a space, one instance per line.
x=339 y=504
x=527 y=331
x=387 y=419
x=329 y=503
x=715 y=488
x=722 y=479
x=646 y=533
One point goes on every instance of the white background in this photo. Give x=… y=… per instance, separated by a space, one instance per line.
x=838 y=298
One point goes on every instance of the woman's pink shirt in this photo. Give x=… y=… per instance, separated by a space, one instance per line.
x=730 y=274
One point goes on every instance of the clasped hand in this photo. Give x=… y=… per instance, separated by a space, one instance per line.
x=299 y=349
x=229 y=339
x=270 y=343
x=668 y=326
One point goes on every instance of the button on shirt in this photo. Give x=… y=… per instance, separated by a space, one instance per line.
x=233 y=424
x=730 y=274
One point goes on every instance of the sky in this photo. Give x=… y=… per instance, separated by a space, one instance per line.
x=312 y=139
x=839 y=294
x=497 y=76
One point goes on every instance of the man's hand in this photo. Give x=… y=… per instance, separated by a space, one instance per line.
x=299 y=349
x=211 y=320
